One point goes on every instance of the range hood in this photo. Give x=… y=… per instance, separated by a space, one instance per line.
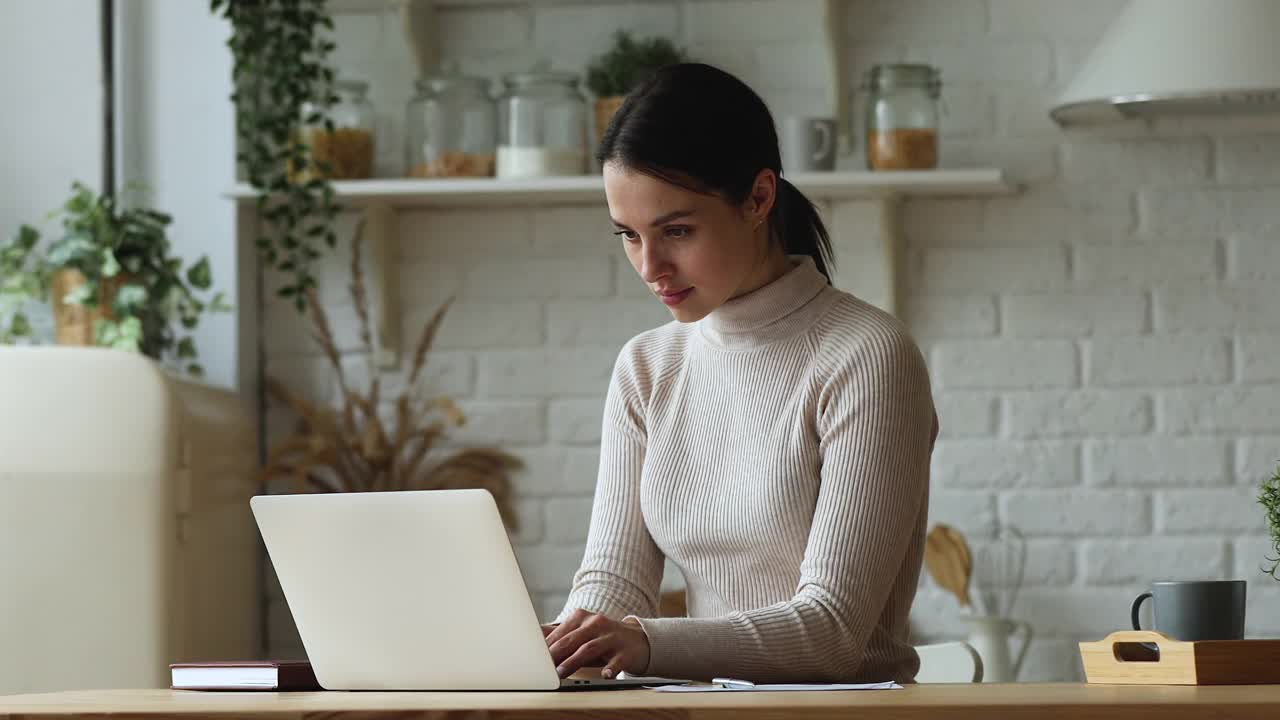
x=1179 y=57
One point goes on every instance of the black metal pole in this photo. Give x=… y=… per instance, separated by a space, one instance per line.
x=108 y=99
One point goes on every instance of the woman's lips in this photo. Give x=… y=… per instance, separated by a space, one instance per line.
x=673 y=299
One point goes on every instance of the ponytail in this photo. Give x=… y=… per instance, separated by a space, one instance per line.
x=795 y=224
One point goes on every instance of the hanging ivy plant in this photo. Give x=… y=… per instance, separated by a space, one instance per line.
x=279 y=49
x=1269 y=499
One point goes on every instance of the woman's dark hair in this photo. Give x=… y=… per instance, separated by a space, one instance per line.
x=699 y=127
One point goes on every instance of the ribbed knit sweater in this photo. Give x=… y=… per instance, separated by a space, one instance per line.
x=777 y=451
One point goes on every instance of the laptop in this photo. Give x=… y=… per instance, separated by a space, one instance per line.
x=411 y=590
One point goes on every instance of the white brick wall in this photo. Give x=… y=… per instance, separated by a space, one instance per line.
x=1248 y=160
x=1241 y=310
x=1163 y=263
x=1158 y=461
x=1148 y=361
x=1077 y=513
x=992 y=269
x=1206 y=511
x=1079 y=413
x=1156 y=161
x=1103 y=344
x=1074 y=315
x=1181 y=210
x=1254 y=258
x=964 y=414
x=983 y=364
x=1119 y=562
x=576 y=422
x=1256 y=457
x=960 y=464
x=959 y=316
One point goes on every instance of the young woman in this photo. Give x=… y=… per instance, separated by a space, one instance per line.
x=773 y=441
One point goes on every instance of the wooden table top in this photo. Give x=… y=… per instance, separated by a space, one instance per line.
x=934 y=702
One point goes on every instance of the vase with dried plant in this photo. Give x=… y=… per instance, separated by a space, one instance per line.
x=351 y=449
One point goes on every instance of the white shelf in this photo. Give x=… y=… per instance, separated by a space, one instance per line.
x=590 y=188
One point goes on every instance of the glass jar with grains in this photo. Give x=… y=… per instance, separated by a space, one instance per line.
x=902 y=117
x=542 y=125
x=451 y=128
x=347 y=150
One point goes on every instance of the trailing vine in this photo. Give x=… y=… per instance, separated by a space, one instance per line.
x=279 y=49
x=1269 y=499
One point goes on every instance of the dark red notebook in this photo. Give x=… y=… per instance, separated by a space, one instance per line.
x=270 y=675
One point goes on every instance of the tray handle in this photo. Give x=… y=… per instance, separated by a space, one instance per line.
x=1138 y=636
x=1137 y=646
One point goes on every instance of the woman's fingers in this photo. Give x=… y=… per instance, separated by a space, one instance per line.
x=567 y=645
x=615 y=665
x=577 y=630
x=586 y=653
x=570 y=624
x=586 y=638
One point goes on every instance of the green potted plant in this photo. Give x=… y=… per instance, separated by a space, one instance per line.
x=280 y=50
x=625 y=65
x=1269 y=498
x=110 y=279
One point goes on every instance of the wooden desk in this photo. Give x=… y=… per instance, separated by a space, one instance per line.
x=931 y=702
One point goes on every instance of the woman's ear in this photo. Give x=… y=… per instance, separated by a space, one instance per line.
x=764 y=191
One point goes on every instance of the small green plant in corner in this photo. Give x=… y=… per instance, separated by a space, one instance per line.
x=1269 y=498
x=629 y=62
x=111 y=280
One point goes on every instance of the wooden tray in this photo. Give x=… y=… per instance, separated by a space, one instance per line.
x=1119 y=659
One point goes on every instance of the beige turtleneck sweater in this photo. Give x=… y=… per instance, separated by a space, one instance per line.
x=777 y=451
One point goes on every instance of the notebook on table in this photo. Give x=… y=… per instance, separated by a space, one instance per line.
x=270 y=675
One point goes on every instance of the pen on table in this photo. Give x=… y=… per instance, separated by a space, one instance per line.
x=732 y=683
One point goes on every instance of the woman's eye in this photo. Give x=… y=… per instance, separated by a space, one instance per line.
x=678 y=232
x=628 y=235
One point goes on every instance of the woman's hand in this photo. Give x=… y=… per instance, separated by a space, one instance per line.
x=586 y=638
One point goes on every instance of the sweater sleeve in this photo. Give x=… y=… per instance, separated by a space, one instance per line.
x=621 y=570
x=875 y=425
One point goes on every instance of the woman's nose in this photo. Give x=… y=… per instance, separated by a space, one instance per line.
x=652 y=262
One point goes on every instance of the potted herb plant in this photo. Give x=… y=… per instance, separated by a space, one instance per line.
x=1269 y=498
x=110 y=279
x=625 y=65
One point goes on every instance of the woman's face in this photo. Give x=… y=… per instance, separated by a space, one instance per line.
x=693 y=251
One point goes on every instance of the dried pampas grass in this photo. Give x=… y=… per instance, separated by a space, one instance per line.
x=350 y=449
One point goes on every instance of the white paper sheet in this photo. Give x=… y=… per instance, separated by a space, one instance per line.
x=779 y=688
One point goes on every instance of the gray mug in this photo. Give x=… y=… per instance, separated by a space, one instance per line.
x=1191 y=610
x=808 y=143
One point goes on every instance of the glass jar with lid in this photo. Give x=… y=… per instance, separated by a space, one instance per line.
x=451 y=128
x=347 y=150
x=902 y=117
x=542 y=125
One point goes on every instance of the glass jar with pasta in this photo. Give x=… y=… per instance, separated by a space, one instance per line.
x=346 y=151
x=451 y=128
x=902 y=117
